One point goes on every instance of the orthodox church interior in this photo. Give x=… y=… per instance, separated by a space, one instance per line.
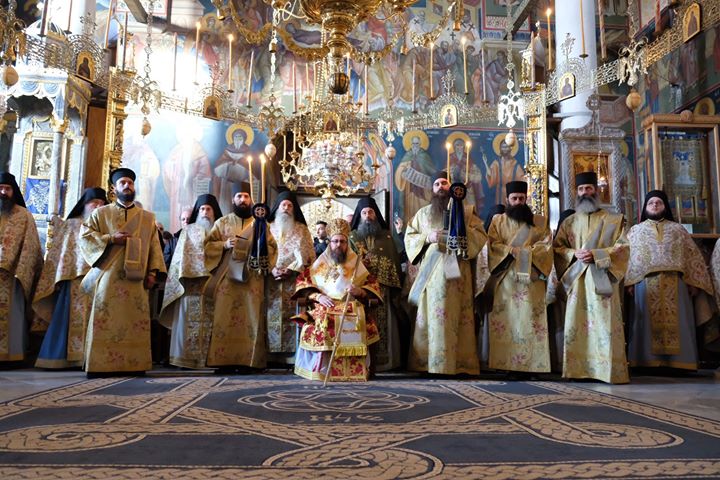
x=336 y=101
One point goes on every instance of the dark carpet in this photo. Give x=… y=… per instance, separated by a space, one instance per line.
x=278 y=426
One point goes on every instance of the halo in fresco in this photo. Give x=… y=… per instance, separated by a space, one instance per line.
x=457 y=135
x=407 y=139
x=498 y=140
x=249 y=133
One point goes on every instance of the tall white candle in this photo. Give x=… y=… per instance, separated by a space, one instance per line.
x=482 y=69
x=111 y=10
x=250 y=176
x=125 y=39
x=465 y=79
x=413 y=86
x=262 y=177
x=430 y=69
x=197 y=49
x=230 y=62
x=69 y=15
x=294 y=87
x=549 y=29
x=367 y=90
x=175 y=43
x=44 y=20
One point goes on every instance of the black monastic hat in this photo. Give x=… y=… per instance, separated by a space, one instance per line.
x=517 y=186
x=297 y=212
x=205 y=199
x=586 y=178
x=440 y=174
x=7 y=178
x=243 y=187
x=88 y=195
x=366 y=202
x=121 y=172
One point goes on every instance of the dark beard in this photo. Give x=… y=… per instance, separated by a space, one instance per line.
x=126 y=197
x=338 y=256
x=242 y=211
x=520 y=213
x=6 y=204
x=439 y=202
x=368 y=229
x=587 y=203
x=655 y=216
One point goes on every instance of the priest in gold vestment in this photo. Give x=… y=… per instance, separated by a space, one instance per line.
x=120 y=242
x=59 y=300
x=337 y=287
x=444 y=339
x=20 y=264
x=520 y=258
x=186 y=311
x=238 y=339
x=295 y=253
x=671 y=290
x=591 y=256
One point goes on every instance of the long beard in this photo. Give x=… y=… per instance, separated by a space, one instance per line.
x=587 y=203
x=242 y=211
x=439 y=202
x=520 y=213
x=205 y=223
x=286 y=222
x=368 y=229
x=126 y=197
x=655 y=216
x=338 y=256
x=6 y=204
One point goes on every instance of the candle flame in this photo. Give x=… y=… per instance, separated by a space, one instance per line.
x=230 y=37
x=197 y=25
x=447 y=145
x=468 y=143
x=548 y=11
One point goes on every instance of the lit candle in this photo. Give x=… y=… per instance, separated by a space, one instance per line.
x=464 y=42
x=125 y=38
x=601 y=15
x=174 y=61
x=447 y=147
x=197 y=48
x=69 y=15
x=431 y=72
x=249 y=80
x=468 y=144
x=284 y=145
x=250 y=175
x=294 y=87
x=262 y=177
x=549 y=29
x=367 y=89
x=413 y=87
x=582 y=30
x=230 y=63
x=482 y=67
x=111 y=10
x=43 y=22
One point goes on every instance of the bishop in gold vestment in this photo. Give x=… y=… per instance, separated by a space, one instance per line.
x=520 y=258
x=120 y=241
x=59 y=300
x=337 y=285
x=444 y=339
x=186 y=310
x=671 y=290
x=238 y=338
x=591 y=256
x=295 y=254
x=20 y=263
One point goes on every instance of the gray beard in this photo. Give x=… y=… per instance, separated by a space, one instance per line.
x=6 y=205
x=587 y=204
x=205 y=223
x=368 y=229
x=338 y=256
x=286 y=222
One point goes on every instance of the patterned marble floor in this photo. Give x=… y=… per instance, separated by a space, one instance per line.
x=697 y=394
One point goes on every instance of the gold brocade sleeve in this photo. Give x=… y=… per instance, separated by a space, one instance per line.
x=542 y=249
x=307 y=250
x=24 y=235
x=564 y=248
x=155 y=254
x=498 y=251
x=615 y=257
x=373 y=286
x=214 y=245
x=477 y=238
x=94 y=238
x=416 y=238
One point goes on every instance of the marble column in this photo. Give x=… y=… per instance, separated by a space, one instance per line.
x=59 y=127
x=574 y=111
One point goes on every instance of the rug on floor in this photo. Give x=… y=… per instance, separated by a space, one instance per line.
x=282 y=427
